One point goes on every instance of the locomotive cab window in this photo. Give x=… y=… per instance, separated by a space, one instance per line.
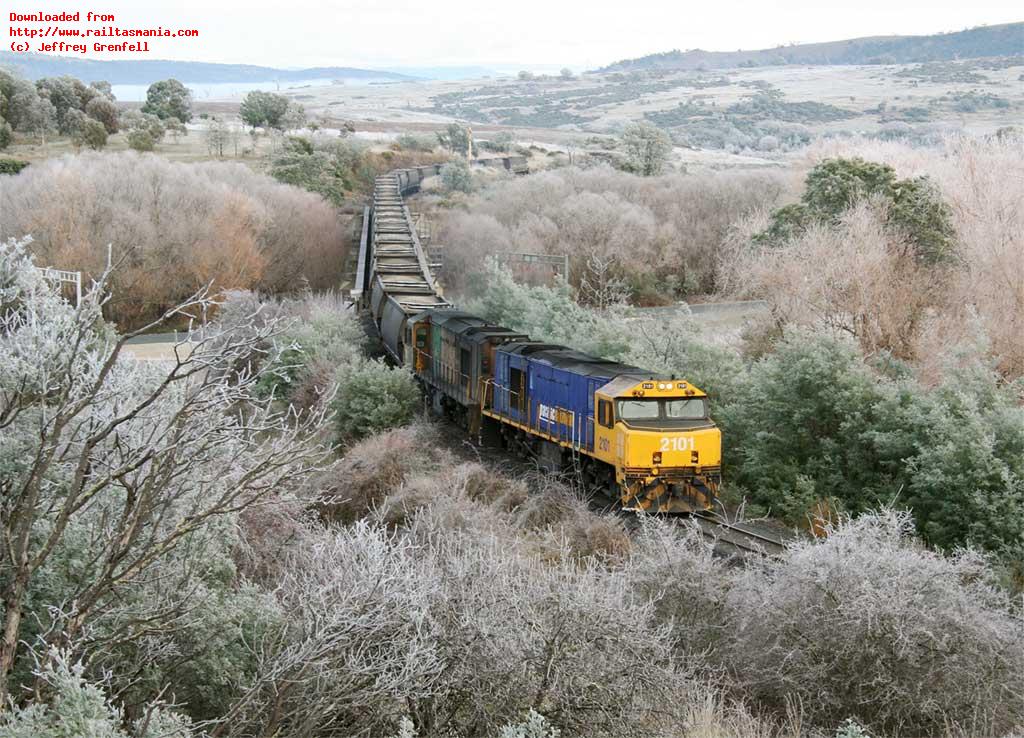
x=674 y=412
x=604 y=413
x=688 y=408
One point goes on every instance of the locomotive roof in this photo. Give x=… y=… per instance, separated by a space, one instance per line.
x=572 y=360
x=449 y=319
x=471 y=327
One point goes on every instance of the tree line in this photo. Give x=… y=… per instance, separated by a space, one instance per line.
x=88 y=114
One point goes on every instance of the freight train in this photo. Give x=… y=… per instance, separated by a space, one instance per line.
x=647 y=439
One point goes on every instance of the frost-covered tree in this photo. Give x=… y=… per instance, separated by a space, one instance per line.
x=456 y=177
x=105 y=111
x=175 y=128
x=169 y=98
x=455 y=138
x=601 y=286
x=217 y=136
x=32 y=112
x=85 y=131
x=264 y=109
x=123 y=460
x=647 y=148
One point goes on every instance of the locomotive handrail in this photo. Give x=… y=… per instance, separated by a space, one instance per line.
x=572 y=437
x=447 y=372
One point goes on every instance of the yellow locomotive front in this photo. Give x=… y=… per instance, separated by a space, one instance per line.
x=657 y=434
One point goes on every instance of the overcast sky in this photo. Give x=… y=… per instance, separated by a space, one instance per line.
x=372 y=33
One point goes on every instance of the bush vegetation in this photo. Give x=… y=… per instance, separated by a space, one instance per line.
x=846 y=434
x=914 y=208
x=646 y=147
x=658 y=236
x=917 y=268
x=169 y=98
x=338 y=168
x=264 y=109
x=401 y=590
x=62 y=105
x=173 y=228
x=372 y=397
x=12 y=166
x=744 y=124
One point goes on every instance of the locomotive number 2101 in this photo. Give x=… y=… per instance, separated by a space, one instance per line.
x=677 y=443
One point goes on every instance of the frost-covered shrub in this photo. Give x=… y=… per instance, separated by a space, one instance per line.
x=374 y=468
x=807 y=437
x=459 y=628
x=122 y=481
x=833 y=428
x=868 y=623
x=373 y=397
x=664 y=232
x=322 y=335
x=534 y=726
x=688 y=586
x=516 y=632
x=177 y=226
x=357 y=643
x=78 y=708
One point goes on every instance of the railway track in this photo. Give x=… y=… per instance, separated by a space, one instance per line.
x=737 y=538
x=734 y=539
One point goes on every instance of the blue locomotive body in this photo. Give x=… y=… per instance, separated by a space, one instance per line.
x=551 y=389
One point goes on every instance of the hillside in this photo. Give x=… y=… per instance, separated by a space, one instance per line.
x=141 y=72
x=986 y=41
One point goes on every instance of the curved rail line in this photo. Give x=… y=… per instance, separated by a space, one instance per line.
x=393 y=278
x=393 y=282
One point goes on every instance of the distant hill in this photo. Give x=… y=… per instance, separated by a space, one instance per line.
x=445 y=73
x=144 y=72
x=986 y=41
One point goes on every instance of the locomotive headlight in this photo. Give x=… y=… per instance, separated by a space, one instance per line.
x=663 y=386
x=656 y=457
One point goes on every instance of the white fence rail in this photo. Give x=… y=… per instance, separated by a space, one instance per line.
x=64 y=276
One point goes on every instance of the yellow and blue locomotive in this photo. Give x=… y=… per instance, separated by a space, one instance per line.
x=648 y=439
